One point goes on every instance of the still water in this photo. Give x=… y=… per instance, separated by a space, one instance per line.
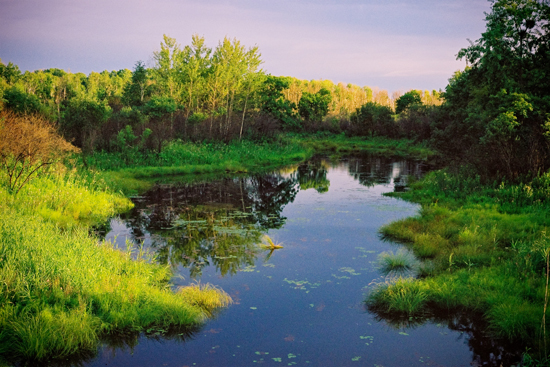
x=302 y=305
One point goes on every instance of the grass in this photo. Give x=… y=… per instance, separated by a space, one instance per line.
x=483 y=248
x=340 y=144
x=396 y=263
x=133 y=172
x=61 y=291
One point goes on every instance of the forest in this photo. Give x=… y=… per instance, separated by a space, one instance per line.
x=73 y=146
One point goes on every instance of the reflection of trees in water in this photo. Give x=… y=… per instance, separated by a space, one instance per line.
x=486 y=349
x=313 y=175
x=219 y=223
x=376 y=170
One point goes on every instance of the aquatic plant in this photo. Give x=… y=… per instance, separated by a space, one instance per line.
x=399 y=262
x=268 y=244
x=403 y=295
x=488 y=252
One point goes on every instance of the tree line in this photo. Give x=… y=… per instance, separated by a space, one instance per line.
x=493 y=115
x=192 y=93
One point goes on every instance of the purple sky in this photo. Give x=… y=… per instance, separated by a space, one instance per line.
x=390 y=44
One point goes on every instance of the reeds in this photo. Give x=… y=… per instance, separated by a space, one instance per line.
x=60 y=290
x=484 y=248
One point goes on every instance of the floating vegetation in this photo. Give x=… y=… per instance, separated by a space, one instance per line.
x=302 y=284
x=248 y=269
x=268 y=244
x=341 y=277
x=348 y=270
x=364 y=251
x=369 y=339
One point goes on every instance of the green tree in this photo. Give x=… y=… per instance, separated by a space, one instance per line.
x=167 y=65
x=501 y=102
x=136 y=91
x=314 y=106
x=275 y=104
x=17 y=100
x=160 y=110
x=82 y=120
x=373 y=119
x=407 y=100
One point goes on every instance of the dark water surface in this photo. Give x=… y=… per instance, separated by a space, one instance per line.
x=302 y=305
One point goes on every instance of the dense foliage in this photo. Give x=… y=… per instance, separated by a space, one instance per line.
x=496 y=112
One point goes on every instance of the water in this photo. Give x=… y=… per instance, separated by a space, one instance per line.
x=302 y=305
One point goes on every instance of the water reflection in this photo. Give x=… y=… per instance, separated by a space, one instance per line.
x=486 y=349
x=220 y=223
x=305 y=301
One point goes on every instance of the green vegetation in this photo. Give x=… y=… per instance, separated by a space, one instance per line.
x=396 y=263
x=485 y=248
x=340 y=144
x=482 y=232
x=61 y=291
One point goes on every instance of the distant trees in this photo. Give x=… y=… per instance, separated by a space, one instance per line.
x=373 y=119
x=407 y=100
x=313 y=107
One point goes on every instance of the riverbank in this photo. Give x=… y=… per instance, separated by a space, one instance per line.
x=133 y=172
x=62 y=291
x=484 y=247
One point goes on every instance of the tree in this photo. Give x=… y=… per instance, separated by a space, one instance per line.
x=21 y=102
x=167 y=65
x=274 y=103
x=373 y=119
x=28 y=143
x=137 y=89
x=503 y=97
x=82 y=120
x=253 y=79
x=314 y=106
x=408 y=100
x=160 y=110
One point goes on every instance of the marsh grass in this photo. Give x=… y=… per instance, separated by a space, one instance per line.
x=341 y=144
x=404 y=296
x=61 y=290
x=487 y=251
x=133 y=174
x=398 y=263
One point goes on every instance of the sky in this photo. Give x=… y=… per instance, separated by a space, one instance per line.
x=397 y=45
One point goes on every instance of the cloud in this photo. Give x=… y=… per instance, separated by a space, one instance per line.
x=355 y=41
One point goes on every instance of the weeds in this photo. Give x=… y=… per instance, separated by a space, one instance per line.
x=60 y=290
x=400 y=262
x=484 y=248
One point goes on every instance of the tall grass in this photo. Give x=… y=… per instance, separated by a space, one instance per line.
x=236 y=155
x=376 y=144
x=61 y=290
x=487 y=250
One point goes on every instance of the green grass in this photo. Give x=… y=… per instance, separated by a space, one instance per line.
x=134 y=172
x=340 y=144
x=61 y=291
x=399 y=262
x=482 y=246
